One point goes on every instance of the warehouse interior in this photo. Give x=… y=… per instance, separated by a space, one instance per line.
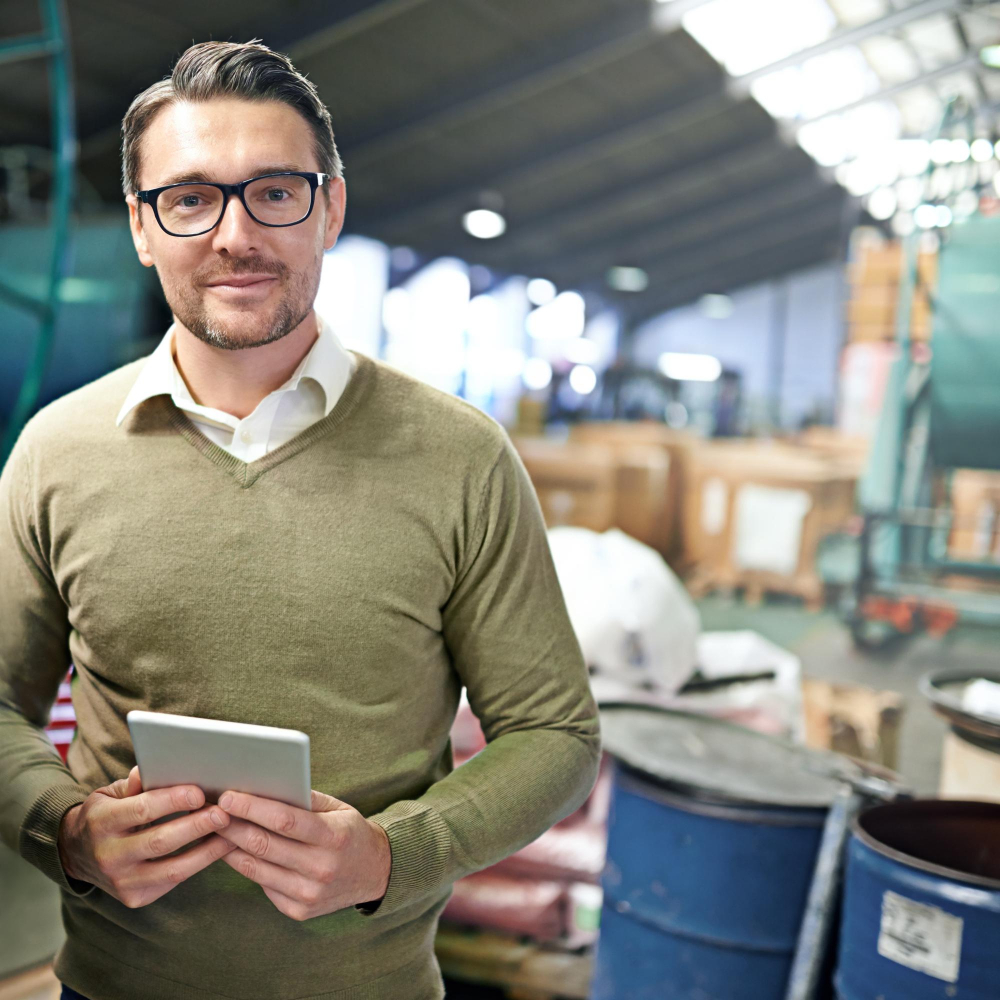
x=727 y=272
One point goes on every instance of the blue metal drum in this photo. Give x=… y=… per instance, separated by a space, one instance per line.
x=713 y=835
x=921 y=911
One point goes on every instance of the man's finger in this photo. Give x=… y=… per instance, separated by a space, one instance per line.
x=271 y=847
x=296 y=887
x=289 y=821
x=183 y=866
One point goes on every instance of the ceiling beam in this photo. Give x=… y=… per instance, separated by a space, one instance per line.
x=300 y=31
x=667 y=116
x=757 y=207
x=532 y=234
x=796 y=253
x=545 y=65
x=741 y=243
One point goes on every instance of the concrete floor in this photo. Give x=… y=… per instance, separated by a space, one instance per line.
x=824 y=645
x=30 y=925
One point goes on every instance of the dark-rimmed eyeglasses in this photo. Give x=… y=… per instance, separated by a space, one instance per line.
x=192 y=208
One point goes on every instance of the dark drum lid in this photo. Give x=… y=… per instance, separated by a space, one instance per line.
x=717 y=761
x=946 y=689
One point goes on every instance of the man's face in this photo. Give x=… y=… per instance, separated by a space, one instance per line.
x=228 y=141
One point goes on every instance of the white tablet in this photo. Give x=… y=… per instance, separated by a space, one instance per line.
x=216 y=755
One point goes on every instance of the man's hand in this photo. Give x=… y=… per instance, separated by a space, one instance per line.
x=110 y=839
x=308 y=863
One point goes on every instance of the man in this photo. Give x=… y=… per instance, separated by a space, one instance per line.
x=254 y=524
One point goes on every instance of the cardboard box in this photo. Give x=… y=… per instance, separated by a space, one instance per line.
x=755 y=513
x=884 y=266
x=854 y=720
x=975 y=504
x=576 y=483
x=658 y=519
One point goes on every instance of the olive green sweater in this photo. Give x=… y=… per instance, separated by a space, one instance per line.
x=347 y=584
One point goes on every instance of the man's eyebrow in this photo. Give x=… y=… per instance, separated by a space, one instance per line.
x=200 y=177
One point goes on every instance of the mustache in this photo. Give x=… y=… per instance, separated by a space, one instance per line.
x=243 y=266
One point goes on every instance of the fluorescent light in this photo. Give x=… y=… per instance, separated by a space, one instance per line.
x=628 y=279
x=982 y=150
x=583 y=379
x=882 y=204
x=959 y=150
x=537 y=373
x=540 y=291
x=925 y=216
x=483 y=223
x=716 y=306
x=746 y=36
x=563 y=317
x=581 y=351
x=690 y=367
x=902 y=223
x=914 y=156
x=941 y=151
x=989 y=55
x=942 y=216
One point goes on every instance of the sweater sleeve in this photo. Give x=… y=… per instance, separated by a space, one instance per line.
x=36 y=788
x=511 y=641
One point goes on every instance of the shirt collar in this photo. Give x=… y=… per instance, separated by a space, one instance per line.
x=327 y=362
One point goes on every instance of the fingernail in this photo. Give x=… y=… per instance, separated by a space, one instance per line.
x=218 y=820
x=192 y=798
x=226 y=801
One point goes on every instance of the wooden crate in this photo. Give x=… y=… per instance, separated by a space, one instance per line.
x=575 y=483
x=975 y=504
x=853 y=719
x=658 y=518
x=730 y=484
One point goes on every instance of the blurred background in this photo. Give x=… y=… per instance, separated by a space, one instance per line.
x=728 y=271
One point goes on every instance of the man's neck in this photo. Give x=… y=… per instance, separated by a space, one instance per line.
x=236 y=381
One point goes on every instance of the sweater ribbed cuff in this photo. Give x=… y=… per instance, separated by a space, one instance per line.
x=420 y=842
x=38 y=842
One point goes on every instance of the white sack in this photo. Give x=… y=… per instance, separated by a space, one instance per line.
x=635 y=621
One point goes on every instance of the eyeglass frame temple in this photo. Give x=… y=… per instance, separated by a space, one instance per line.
x=316 y=180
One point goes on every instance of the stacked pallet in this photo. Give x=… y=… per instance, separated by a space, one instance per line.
x=874 y=294
x=756 y=512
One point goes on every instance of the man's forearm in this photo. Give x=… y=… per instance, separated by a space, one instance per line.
x=505 y=797
x=36 y=790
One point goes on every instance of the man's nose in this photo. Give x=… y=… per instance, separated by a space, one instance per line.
x=236 y=232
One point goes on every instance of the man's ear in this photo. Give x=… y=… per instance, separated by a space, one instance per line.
x=138 y=232
x=335 y=212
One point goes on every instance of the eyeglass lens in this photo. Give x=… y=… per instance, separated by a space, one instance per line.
x=192 y=208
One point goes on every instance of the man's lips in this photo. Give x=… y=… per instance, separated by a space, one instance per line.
x=241 y=282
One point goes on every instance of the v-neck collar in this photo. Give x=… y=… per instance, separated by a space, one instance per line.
x=247 y=473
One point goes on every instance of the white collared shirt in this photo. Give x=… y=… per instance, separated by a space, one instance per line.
x=309 y=394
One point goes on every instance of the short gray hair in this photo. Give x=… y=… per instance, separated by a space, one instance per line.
x=248 y=70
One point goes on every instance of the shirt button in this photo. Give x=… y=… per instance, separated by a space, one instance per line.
x=246 y=436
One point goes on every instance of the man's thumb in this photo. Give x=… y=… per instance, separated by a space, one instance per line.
x=132 y=785
x=321 y=803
